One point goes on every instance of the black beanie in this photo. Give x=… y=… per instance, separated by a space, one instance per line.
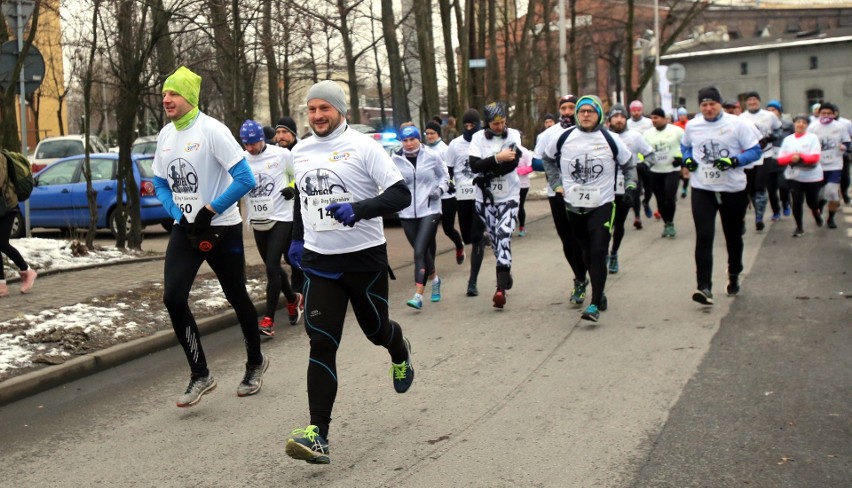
x=549 y=117
x=434 y=126
x=752 y=94
x=658 y=112
x=471 y=116
x=709 y=94
x=287 y=123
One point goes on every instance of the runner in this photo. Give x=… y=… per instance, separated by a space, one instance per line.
x=799 y=154
x=270 y=211
x=716 y=147
x=494 y=155
x=666 y=165
x=638 y=121
x=426 y=177
x=200 y=172
x=472 y=228
x=286 y=137
x=449 y=206
x=776 y=185
x=582 y=164
x=834 y=138
x=758 y=173
x=641 y=150
x=339 y=242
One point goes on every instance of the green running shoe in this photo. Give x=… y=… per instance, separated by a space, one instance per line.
x=578 y=294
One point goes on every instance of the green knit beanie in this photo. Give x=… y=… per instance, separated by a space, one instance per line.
x=185 y=83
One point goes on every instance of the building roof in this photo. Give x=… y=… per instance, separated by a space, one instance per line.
x=830 y=36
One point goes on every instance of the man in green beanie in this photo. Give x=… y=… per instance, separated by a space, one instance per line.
x=200 y=172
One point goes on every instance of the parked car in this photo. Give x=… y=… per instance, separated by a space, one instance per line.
x=144 y=145
x=52 y=149
x=59 y=197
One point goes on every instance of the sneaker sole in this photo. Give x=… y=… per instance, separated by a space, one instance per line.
x=303 y=453
x=499 y=300
x=588 y=317
x=267 y=332
x=701 y=298
x=259 y=383
x=436 y=298
x=198 y=399
x=415 y=307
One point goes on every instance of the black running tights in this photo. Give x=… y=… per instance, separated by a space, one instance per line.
x=570 y=246
x=270 y=245
x=472 y=232
x=665 y=191
x=6 y=248
x=522 y=214
x=326 y=301
x=621 y=212
x=801 y=193
x=592 y=231
x=227 y=259
x=449 y=208
x=420 y=233
x=731 y=208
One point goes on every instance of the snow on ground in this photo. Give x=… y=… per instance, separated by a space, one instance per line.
x=45 y=254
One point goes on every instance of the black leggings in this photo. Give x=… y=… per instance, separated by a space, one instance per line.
x=570 y=246
x=270 y=245
x=472 y=232
x=326 y=301
x=665 y=191
x=449 y=207
x=592 y=232
x=621 y=212
x=802 y=192
x=420 y=233
x=643 y=183
x=227 y=259
x=844 y=177
x=777 y=187
x=756 y=178
x=731 y=208
x=522 y=214
x=6 y=248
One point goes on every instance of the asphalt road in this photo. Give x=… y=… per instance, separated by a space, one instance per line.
x=661 y=392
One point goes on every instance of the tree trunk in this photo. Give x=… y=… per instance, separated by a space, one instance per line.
x=572 y=49
x=166 y=63
x=462 y=22
x=453 y=108
x=379 y=87
x=91 y=194
x=9 y=133
x=398 y=99
x=628 y=62
x=493 y=72
x=351 y=68
x=271 y=62
x=426 y=52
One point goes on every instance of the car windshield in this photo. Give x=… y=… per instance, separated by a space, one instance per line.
x=59 y=149
x=149 y=147
x=146 y=167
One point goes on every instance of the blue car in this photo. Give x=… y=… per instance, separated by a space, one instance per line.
x=59 y=196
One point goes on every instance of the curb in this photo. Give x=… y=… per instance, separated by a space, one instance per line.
x=29 y=384
x=50 y=272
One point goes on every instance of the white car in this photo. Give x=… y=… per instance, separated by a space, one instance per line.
x=53 y=149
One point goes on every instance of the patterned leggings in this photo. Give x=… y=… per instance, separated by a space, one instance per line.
x=500 y=220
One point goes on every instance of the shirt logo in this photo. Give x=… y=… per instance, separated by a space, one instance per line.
x=271 y=164
x=337 y=157
x=711 y=150
x=183 y=177
x=192 y=146
x=585 y=169
x=321 y=181
x=265 y=186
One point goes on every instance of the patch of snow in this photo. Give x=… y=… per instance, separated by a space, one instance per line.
x=43 y=254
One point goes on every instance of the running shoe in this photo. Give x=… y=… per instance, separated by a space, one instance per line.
x=578 y=294
x=253 y=379
x=403 y=373
x=603 y=306
x=416 y=303
x=522 y=232
x=672 y=231
x=308 y=445
x=436 y=290
x=657 y=215
x=637 y=222
x=818 y=218
x=296 y=308
x=613 y=264
x=591 y=313
x=683 y=193
x=799 y=232
x=787 y=210
x=733 y=284
x=647 y=207
x=758 y=224
x=776 y=217
x=471 y=289
x=266 y=326
x=460 y=255
x=198 y=386
x=831 y=225
x=703 y=296
x=499 y=298
x=28 y=277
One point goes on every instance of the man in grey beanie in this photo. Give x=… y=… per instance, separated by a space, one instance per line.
x=345 y=182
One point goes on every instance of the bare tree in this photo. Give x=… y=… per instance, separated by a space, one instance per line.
x=398 y=99
x=426 y=51
x=446 y=10
x=91 y=194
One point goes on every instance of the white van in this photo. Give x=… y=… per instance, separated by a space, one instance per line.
x=53 y=149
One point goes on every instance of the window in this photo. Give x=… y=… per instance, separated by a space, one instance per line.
x=743 y=68
x=814 y=95
x=102 y=169
x=814 y=62
x=59 y=173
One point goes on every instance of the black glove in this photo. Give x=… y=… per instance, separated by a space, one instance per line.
x=203 y=219
x=628 y=197
x=690 y=165
x=677 y=161
x=288 y=193
x=724 y=164
x=452 y=188
x=184 y=223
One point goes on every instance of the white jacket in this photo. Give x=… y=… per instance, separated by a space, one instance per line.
x=429 y=176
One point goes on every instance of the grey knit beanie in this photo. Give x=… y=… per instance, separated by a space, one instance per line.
x=331 y=92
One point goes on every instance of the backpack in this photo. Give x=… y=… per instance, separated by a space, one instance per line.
x=20 y=174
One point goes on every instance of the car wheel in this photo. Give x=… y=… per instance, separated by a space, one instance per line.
x=113 y=225
x=19 y=228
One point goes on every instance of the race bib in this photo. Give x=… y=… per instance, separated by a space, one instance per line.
x=711 y=176
x=619 y=183
x=500 y=187
x=260 y=208
x=584 y=196
x=189 y=204
x=465 y=191
x=321 y=219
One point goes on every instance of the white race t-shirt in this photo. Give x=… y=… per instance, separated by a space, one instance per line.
x=766 y=123
x=195 y=162
x=441 y=148
x=456 y=157
x=637 y=145
x=640 y=125
x=807 y=144
x=831 y=136
x=345 y=167
x=726 y=137
x=550 y=134
x=430 y=174
x=506 y=187
x=273 y=170
x=666 y=145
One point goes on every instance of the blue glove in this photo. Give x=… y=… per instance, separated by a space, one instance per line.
x=343 y=213
x=297 y=247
